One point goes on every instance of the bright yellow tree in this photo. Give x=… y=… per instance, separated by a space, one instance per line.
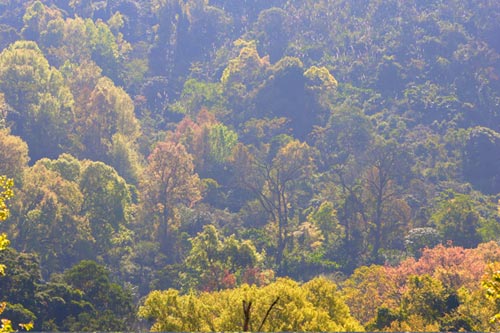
x=282 y=306
x=5 y=193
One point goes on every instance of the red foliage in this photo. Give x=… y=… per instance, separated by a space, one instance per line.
x=228 y=280
x=254 y=275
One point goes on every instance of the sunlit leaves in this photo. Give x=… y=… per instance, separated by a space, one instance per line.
x=169 y=181
x=42 y=103
x=6 y=193
x=46 y=218
x=244 y=71
x=290 y=307
x=216 y=262
x=441 y=289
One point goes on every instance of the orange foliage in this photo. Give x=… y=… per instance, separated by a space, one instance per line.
x=454 y=266
x=369 y=288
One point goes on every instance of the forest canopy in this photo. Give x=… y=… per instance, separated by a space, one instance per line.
x=330 y=165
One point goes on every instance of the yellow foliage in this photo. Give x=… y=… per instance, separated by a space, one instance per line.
x=321 y=77
x=6 y=193
x=247 y=66
x=284 y=305
x=366 y=290
x=414 y=323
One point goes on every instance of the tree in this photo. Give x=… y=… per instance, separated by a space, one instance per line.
x=106 y=128
x=317 y=242
x=18 y=288
x=209 y=141
x=348 y=134
x=14 y=155
x=375 y=210
x=387 y=208
x=491 y=284
x=35 y=19
x=284 y=94
x=243 y=74
x=425 y=297
x=439 y=290
x=216 y=262
x=42 y=104
x=197 y=95
x=272 y=32
x=458 y=220
x=47 y=219
x=110 y=305
x=108 y=111
x=188 y=33
x=284 y=305
x=275 y=182
x=366 y=290
x=106 y=202
x=169 y=181
x=6 y=193
x=419 y=238
x=172 y=312
x=77 y=40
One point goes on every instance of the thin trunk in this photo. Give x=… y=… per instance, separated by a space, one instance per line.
x=246 y=312
x=164 y=234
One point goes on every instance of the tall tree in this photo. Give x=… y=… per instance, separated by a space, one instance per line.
x=47 y=219
x=106 y=202
x=275 y=181
x=169 y=181
x=106 y=126
x=374 y=210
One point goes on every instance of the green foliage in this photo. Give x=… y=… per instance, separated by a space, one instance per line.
x=320 y=78
x=106 y=202
x=425 y=297
x=491 y=285
x=480 y=161
x=275 y=181
x=221 y=141
x=111 y=305
x=109 y=111
x=458 y=220
x=47 y=215
x=42 y=103
x=18 y=286
x=197 y=95
x=215 y=262
x=243 y=73
x=272 y=30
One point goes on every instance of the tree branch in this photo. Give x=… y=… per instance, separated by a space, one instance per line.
x=267 y=314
